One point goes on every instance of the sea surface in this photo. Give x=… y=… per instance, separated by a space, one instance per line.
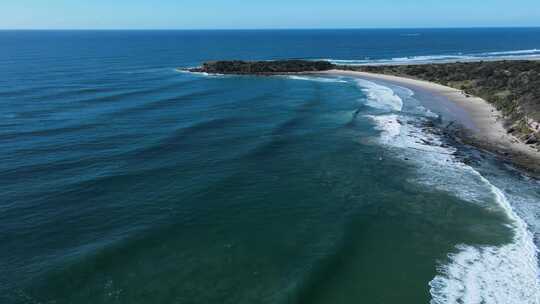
x=124 y=180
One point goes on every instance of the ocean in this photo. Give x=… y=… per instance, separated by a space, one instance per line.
x=124 y=180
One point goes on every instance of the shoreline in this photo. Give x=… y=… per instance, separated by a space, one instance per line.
x=488 y=132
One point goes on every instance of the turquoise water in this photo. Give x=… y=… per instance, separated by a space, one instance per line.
x=126 y=181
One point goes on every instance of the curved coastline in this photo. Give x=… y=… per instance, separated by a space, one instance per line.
x=473 y=273
x=486 y=271
x=486 y=131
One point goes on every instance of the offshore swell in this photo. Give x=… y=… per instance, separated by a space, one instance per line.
x=126 y=181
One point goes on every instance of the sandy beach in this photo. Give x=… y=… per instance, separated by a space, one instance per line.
x=488 y=131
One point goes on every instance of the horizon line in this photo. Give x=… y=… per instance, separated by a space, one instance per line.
x=267 y=29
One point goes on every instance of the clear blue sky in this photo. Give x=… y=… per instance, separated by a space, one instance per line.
x=226 y=14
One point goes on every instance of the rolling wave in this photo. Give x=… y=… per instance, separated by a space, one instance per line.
x=379 y=96
x=289 y=125
x=98 y=91
x=510 y=55
x=518 y=52
x=490 y=274
x=476 y=273
x=177 y=140
x=269 y=148
x=163 y=102
x=32 y=134
x=316 y=79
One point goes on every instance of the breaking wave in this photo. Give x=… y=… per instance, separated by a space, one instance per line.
x=475 y=273
x=490 y=274
x=518 y=52
x=316 y=79
x=513 y=54
x=379 y=96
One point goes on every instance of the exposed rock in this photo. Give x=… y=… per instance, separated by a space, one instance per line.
x=532 y=139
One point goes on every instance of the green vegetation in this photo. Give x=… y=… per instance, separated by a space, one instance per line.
x=263 y=67
x=513 y=87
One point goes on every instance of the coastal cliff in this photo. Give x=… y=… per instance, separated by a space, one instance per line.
x=513 y=87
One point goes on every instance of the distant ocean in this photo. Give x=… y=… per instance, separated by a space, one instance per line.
x=124 y=180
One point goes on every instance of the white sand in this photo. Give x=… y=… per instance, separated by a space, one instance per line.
x=488 y=120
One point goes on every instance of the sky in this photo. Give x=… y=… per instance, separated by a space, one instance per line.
x=272 y=14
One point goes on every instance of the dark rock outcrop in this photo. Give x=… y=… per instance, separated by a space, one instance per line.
x=532 y=139
x=263 y=67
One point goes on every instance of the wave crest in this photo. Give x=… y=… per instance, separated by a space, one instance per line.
x=512 y=54
x=379 y=96
x=489 y=274
x=505 y=274
x=316 y=79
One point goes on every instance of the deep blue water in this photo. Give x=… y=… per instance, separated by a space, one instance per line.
x=124 y=180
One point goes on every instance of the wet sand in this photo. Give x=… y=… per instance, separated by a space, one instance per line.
x=482 y=122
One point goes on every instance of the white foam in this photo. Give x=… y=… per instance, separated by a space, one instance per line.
x=379 y=96
x=205 y=74
x=512 y=54
x=487 y=274
x=518 y=52
x=346 y=61
x=428 y=58
x=186 y=70
x=507 y=274
x=389 y=125
x=210 y=75
x=402 y=60
x=317 y=79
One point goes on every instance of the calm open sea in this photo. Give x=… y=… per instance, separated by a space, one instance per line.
x=123 y=180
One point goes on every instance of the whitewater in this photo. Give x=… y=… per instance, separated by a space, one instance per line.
x=525 y=54
x=473 y=274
